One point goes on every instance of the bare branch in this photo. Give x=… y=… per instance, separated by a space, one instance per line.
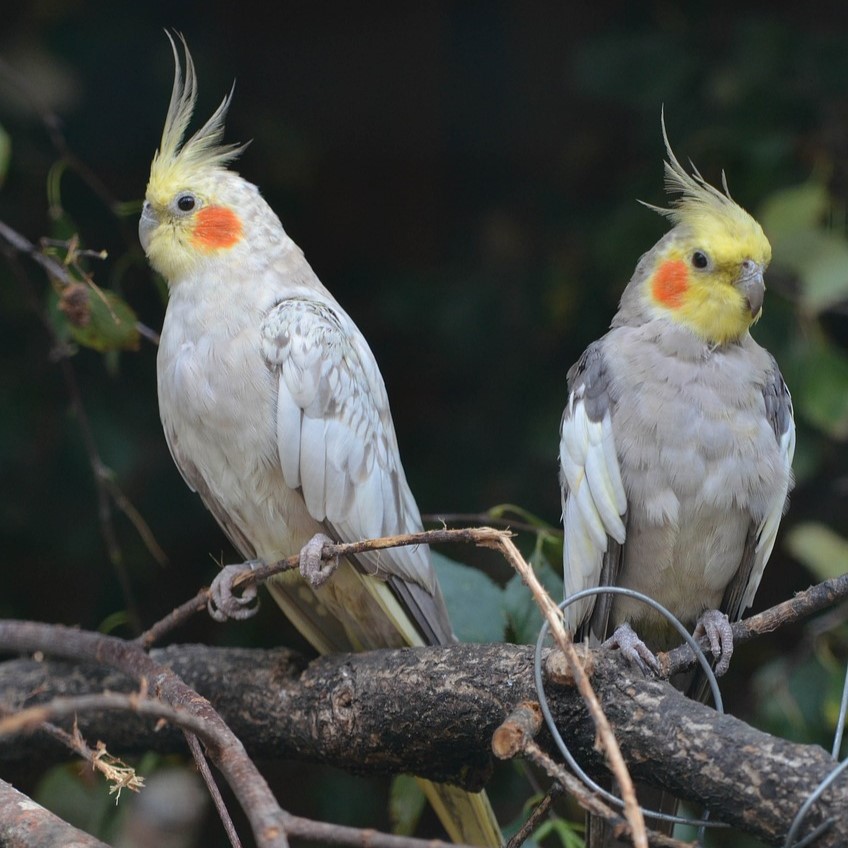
x=553 y=615
x=802 y=606
x=253 y=574
x=535 y=817
x=25 y=823
x=397 y=711
x=190 y=710
x=212 y=788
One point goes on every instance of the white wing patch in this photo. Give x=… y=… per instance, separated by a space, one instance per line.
x=335 y=437
x=594 y=500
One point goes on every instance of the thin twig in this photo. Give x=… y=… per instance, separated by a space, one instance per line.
x=615 y=759
x=535 y=817
x=588 y=800
x=486 y=518
x=107 y=488
x=179 y=704
x=212 y=788
x=335 y=834
x=485 y=537
x=53 y=125
x=253 y=574
x=174 y=619
x=114 y=770
x=104 y=501
x=56 y=270
x=31 y=718
x=802 y=606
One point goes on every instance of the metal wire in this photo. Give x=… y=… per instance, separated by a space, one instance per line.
x=546 y=712
x=807 y=805
x=840 y=722
x=805 y=808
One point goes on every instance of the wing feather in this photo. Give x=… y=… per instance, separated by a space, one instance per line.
x=779 y=411
x=337 y=445
x=593 y=495
x=741 y=591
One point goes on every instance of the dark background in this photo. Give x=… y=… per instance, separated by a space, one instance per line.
x=463 y=177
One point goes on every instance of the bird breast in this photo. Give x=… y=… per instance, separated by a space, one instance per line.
x=217 y=401
x=699 y=462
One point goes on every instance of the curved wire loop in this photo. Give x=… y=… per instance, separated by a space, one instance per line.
x=560 y=742
x=816 y=793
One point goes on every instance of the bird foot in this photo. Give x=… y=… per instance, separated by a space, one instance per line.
x=314 y=570
x=223 y=601
x=715 y=625
x=633 y=649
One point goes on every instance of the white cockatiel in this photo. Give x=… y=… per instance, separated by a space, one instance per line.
x=276 y=414
x=676 y=444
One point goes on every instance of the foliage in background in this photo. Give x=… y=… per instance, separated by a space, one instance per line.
x=464 y=179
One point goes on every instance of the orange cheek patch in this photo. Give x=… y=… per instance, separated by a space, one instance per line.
x=670 y=283
x=216 y=227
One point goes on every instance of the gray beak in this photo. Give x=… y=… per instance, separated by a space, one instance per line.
x=147 y=224
x=752 y=286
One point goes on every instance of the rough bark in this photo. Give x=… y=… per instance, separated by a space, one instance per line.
x=23 y=824
x=433 y=712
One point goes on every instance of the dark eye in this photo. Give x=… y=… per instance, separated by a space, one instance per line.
x=186 y=202
x=700 y=260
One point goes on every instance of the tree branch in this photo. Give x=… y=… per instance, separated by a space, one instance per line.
x=433 y=711
x=802 y=606
x=25 y=823
x=267 y=819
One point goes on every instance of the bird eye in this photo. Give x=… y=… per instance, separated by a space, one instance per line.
x=186 y=202
x=700 y=260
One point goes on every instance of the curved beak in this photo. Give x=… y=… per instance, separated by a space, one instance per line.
x=751 y=284
x=147 y=224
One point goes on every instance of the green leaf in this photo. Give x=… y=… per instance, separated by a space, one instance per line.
x=822 y=396
x=523 y=615
x=820 y=260
x=794 y=220
x=820 y=549
x=406 y=803
x=504 y=511
x=475 y=602
x=568 y=833
x=800 y=207
x=98 y=319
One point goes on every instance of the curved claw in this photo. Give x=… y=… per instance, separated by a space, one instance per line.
x=633 y=649
x=224 y=603
x=715 y=625
x=315 y=571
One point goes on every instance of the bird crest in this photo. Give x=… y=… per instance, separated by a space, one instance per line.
x=704 y=208
x=175 y=160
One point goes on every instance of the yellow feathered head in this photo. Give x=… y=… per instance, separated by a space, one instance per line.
x=191 y=210
x=176 y=162
x=707 y=273
x=711 y=213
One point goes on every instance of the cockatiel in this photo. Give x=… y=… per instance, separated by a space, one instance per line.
x=676 y=444
x=276 y=414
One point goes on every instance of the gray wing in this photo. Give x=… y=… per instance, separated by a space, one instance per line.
x=594 y=502
x=761 y=537
x=337 y=446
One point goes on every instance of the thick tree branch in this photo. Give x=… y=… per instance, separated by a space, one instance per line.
x=433 y=711
x=25 y=823
x=267 y=819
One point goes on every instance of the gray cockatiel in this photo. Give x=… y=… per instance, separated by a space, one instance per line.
x=677 y=440
x=276 y=414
